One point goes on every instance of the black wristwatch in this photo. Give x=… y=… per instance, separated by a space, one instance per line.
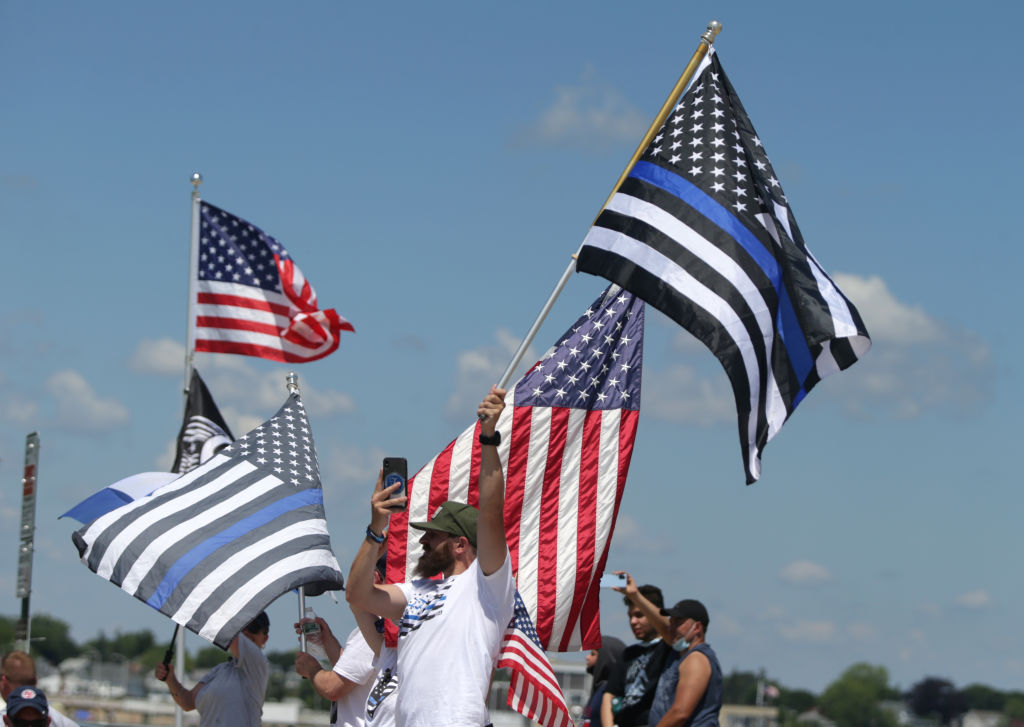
x=494 y=440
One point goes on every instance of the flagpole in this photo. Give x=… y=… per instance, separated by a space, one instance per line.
x=292 y=382
x=706 y=39
x=193 y=275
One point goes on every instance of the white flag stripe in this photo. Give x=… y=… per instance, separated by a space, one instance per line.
x=186 y=500
x=105 y=521
x=418 y=506
x=204 y=517
x=837 y=305
x=251 y=553
x=568 y=521
x=278 y=569
x=518 y=652
x=462 y=460
x=255 y=338
x=530 y=520
x=241 y=313
x=218 y=287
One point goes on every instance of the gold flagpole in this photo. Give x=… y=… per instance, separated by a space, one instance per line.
x=706 y=39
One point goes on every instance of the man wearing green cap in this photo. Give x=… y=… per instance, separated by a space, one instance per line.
x=450 y=629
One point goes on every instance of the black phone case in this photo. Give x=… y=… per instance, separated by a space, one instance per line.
x=396 y=467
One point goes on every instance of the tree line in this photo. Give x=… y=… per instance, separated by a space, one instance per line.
x=854 y=699
x=859 y=697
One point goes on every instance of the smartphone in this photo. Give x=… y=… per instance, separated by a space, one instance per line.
x=610 y=580
x=396 y=470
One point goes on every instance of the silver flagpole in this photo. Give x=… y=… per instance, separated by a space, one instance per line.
x=193 y=274
x=292 y=382
x=706 y=39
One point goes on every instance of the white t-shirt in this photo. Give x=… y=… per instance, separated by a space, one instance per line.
x=380 y=705
x=356 y=665
x=448 y=640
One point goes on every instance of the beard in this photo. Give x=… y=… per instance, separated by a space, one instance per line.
x=435 y=561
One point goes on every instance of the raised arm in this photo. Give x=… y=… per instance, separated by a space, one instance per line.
x=491 y=546
x=652 y=612
x=360 y=590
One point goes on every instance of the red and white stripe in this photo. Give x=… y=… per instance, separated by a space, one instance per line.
x=565 y=470
x=281 y=326
x=533 y=691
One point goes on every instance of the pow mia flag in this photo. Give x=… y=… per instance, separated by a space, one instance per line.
x=203 y=431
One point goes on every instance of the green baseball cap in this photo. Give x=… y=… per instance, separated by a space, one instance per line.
x=454 y=518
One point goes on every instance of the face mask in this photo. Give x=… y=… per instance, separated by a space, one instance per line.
x=683 y=642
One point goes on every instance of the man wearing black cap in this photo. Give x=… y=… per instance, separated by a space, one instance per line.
x=689 y=691
x=450 y=629
x=27 y=707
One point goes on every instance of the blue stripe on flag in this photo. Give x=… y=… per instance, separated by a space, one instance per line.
x=796 y=346
x=312 y=496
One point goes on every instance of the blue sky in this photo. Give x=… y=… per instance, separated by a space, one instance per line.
x=431 y=168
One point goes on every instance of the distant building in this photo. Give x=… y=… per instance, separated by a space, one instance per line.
x=746 y=715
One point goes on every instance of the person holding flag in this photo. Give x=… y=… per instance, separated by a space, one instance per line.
x=450 y=629
x=232 y=692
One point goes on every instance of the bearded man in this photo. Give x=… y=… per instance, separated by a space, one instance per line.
x=450 y=629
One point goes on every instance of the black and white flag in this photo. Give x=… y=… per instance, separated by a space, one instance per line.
x=219 y=544
x=203 y=431
x=701 y=230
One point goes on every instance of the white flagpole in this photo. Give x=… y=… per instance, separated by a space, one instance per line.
x=190 y=334
x=706 y=39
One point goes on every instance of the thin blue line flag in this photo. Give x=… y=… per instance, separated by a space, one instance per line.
x=219 y=544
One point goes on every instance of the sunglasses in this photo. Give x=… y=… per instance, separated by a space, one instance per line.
x=42 y=722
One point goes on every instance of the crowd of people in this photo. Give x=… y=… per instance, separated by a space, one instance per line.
x=450 y=622
x=452 y=617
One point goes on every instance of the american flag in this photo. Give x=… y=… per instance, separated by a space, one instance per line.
x=252 y=299
x=702 y=231
x=533 y=689
x=216 y=546
x=566 y=440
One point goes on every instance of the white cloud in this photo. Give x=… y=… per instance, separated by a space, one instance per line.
x=916 y=363
x=861 y=631
x=478 y=369
x=680 y=394
x=79 y=407
x=887 y=319
x=232 y=380
x=813 y=631
x=974 y=599
x=804 y=572
x=164 y=357
x=727 y=625
x=21 y=410
x=587 y=114
x=631 y=539
x=351 y=466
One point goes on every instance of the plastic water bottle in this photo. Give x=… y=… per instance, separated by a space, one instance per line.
x=314 y=638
